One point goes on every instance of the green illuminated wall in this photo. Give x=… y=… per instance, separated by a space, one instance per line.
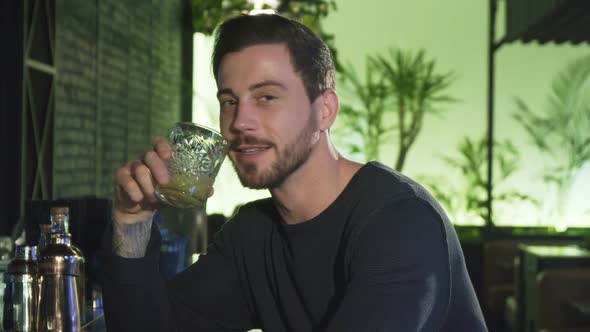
x=455 y=34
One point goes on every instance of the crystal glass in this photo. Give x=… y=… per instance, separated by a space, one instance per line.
x=197 y=154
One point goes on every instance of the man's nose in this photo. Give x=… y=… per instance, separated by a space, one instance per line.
x=245 y=118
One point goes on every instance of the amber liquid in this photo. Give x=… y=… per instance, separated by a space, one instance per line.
x=185 y=191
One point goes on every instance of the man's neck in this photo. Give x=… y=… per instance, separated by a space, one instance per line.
x=315 y=185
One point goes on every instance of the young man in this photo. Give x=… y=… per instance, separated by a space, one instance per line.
x=340 y=246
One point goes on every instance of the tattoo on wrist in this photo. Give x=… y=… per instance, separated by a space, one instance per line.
x=131 y=240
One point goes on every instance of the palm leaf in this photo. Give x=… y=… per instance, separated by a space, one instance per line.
x=561 y=130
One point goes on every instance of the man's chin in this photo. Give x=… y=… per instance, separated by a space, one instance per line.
x=249 y=177
x=257 y=179
x=252 y=182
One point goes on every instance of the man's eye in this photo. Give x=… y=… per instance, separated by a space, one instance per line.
x=267 y=98
x=228 y=103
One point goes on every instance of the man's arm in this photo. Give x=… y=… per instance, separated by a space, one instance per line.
x=215 y=299
x=131 y=240
x=400 y=277
x=135 y=295
x=204 y=297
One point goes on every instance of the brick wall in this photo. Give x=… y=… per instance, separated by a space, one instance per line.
x=120 y=71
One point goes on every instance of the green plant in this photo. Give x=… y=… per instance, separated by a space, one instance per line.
x=311 y=13
x=561 y=130
x=417 y=90
x=403 y=85
x=470 y=196
x=207 y=14
x=365 y=114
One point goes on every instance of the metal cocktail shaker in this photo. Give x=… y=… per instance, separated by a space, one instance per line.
x=20 y=295
x=61 y=278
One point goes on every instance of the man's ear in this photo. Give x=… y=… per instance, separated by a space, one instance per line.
x=329 y=107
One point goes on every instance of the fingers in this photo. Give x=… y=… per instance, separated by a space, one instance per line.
x=143 y=177
x=162 y=147
x=157 y=167
x=136 y=181
x=211 y=191
x=127 y=188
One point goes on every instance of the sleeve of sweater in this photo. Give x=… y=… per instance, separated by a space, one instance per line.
x=399 y=272
x=204 y=297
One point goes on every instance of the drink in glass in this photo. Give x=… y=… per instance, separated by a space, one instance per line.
x=197 y=155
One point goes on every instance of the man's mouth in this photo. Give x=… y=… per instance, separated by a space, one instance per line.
x=248 y=150
x=248 y=146
x=252 y=149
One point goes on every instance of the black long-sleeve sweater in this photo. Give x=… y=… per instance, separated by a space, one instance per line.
x=382 y=257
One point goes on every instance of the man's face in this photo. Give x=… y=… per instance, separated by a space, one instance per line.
x=265 y=114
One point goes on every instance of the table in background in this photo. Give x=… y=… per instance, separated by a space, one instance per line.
x=535 y=259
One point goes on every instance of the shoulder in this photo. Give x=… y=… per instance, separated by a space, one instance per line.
x=409 y=220
x=247 y=228
x=403 y=241
x=396 y=210
x=255 y=208
x=250 y=218
x=380 y=182
x=379 y=188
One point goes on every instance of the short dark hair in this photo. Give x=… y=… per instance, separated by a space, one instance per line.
x=310 y=56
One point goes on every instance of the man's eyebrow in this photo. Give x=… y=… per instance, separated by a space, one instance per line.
x=228 y=91
x=267 y=83
x=225 y=91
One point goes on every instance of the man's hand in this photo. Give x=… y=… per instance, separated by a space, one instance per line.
x=135 y=198
x=136 y=201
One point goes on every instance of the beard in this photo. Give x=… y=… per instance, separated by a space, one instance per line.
x=289 y=158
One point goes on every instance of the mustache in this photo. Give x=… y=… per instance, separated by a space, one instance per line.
x=249 y=140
